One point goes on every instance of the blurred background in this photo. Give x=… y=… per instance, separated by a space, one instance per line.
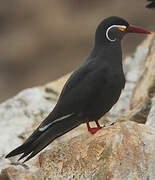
x=41 y=40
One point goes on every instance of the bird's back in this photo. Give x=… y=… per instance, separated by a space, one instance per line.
x=95 y=87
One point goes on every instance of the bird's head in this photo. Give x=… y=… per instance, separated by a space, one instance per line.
x=113 y=29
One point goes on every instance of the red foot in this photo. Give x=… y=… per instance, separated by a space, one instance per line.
x=98 y=125
x=93 y=130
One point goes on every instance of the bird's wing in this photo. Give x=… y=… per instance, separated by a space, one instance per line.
x=78 y=90
x=77 y=77
x=40 y=139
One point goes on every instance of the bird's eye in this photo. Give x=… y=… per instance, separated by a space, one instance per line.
x=122 y=28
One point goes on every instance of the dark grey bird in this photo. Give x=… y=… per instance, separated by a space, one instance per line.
x=90 y=92
x=151 y=4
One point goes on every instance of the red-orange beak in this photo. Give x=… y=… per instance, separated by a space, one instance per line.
x=134 y=29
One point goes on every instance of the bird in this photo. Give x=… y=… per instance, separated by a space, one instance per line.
x=89 y=93
x=151 y=4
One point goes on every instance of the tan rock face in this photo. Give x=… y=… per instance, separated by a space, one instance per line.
x=114 y=152
x=19 y=173
x=145 y=87
x=144 y=91
x=125 y=150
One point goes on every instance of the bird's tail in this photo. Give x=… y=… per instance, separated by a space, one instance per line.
x=41 y=138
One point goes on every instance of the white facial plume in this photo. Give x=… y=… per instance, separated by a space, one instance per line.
x=120 y=27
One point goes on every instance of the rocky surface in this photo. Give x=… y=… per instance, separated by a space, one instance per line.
x=122 y=151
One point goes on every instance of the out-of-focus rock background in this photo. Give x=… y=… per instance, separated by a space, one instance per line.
x=43 y=40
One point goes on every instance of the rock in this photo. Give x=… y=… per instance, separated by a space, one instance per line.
x=20 y=173
x=144 y=89
x=122 y=151
x=19 y=116
x=20 y=113
x=134 y=67
x=151 y=117
x=140 y=112
x=58 y=84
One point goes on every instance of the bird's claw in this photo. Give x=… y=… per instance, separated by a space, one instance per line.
x=102 y=126
x=94 y=130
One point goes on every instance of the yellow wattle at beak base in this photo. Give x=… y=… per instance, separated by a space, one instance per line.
x=121 y=28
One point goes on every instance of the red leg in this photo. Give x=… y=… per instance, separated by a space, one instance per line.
x=98 y=125
x=92 y=130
